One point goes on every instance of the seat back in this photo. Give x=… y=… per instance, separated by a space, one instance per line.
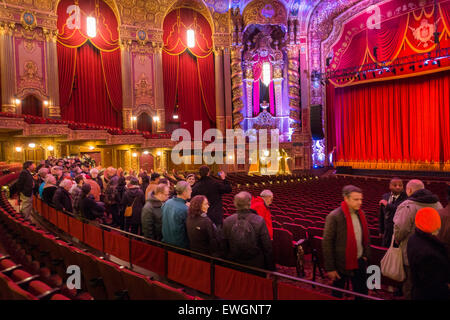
x=139 y=286
x=312 y=232
x=298 y=231
x=112 y=278
x=283 y=249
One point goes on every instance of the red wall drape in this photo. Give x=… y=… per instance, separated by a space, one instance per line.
x=89 y=101
x=190 y=102
x=189 y=72
x=94 y=108
x=170 y=79
x=405 y=121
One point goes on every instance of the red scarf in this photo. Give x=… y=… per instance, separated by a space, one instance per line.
x=351 y=260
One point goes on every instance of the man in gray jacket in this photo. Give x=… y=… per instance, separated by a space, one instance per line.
x=418 y=198
x=345 y=243
x=152 y=213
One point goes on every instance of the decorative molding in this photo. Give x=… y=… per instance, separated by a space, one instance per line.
x=265 y=12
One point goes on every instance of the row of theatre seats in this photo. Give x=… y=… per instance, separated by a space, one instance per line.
x=39 y=259
x=301 y=204
x=35 y=268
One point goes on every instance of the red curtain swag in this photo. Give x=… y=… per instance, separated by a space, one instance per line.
x=95 y=73
x=188 y=73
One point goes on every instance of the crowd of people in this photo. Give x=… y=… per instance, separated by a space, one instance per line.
x=187 y=212
x=183 y=211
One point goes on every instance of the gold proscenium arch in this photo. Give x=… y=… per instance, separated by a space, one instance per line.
x=111 y=3
x=196 y=5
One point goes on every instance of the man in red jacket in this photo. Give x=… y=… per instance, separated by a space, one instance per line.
x=261 y=206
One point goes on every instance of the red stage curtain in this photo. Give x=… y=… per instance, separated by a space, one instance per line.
x=104 y=106
x=189 y=72
x=405 y=121
x=89 y=91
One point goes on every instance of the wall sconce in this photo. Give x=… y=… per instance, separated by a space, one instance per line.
x=145 y=152
x=46 y=103
x=17 y=102
x=50 y=148
x=32 y=145
x=158 y=153
x=91 y=148
x=155 y=118
x=133 y=118
x=18 y=149
x=190 y=38
x=175 y=116
x=91 y=27
x=134 y=154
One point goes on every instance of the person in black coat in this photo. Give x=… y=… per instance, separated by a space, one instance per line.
x=428 y=259
x=62 y=199
x=133 y=197
x=89 y=208
x=388 y=206
x=24 y=187
x=202 y=233
x=213 y=191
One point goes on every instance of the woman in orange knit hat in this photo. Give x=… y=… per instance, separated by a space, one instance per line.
x=428 y=259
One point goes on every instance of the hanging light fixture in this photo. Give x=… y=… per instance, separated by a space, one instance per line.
x=266 y=73
x=91 y=27
x=190 y=38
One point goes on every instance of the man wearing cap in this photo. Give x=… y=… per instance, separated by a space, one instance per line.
x=428 y=260
x=418 y=198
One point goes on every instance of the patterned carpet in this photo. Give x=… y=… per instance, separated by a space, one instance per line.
x=383 y=293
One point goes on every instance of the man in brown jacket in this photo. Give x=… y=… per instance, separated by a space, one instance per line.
x=346 y=244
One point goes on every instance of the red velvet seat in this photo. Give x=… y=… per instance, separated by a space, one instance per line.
x=283 y=249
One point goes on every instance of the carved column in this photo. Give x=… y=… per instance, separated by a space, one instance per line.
x=227 y=88
x=8 y=78
x=249 y=91
x=127 y=97
x=294 y=88
x=159 y=89
x=219 y=84
x=54 y=110
x=236 y=86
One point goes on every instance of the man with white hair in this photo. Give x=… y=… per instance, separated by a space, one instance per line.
x=62 y=199
x=418 y=198
x=96 y=178
x=261 y=206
